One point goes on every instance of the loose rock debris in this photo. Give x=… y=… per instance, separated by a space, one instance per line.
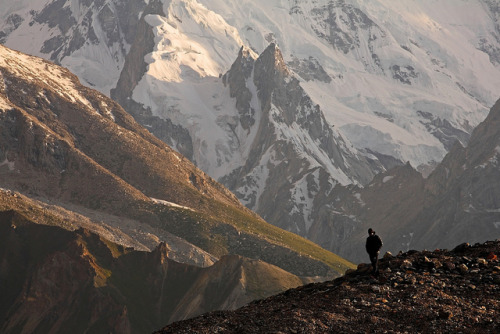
x=437 y=291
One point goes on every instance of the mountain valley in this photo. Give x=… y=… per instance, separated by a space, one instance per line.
x=358 y=88
x=161 y=159
x=76 y=165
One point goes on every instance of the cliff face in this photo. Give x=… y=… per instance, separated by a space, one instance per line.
x=294 y=156
x=417 y=292
x=58 y=281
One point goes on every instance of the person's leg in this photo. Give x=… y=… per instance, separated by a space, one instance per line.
x=374 y=261
x=375 y=266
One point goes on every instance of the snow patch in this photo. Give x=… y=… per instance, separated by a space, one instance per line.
x=256 y=180
x=194 y=46
x=190 y=41
x=170 y=204
x=9 y=164
x=36 y=69
x=387 y=178
x=303 y=194
x=307 y=147
x=358 y=197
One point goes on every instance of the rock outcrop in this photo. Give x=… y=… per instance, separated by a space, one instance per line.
x=437 y=291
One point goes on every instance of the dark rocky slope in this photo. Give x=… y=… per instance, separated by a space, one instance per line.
x=57 y=281
x=437 y=291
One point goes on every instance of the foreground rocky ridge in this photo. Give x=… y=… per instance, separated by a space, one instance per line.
x=437 y=291
x=59 y=281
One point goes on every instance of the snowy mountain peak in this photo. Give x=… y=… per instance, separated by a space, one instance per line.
x=294 y=154
x=272 y=55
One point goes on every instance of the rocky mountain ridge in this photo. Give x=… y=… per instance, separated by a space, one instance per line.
x=437 y=291
x=284 y=179
x=55 y=280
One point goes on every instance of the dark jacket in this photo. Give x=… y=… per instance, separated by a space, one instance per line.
x=373 y=244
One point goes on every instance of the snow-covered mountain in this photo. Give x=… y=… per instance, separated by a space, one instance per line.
x=347 y=88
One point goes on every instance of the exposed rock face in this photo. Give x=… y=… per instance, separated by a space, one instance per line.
x=12 y=23
x=424 y=292
x=345 y=26
x=236 y=78
x=485 y=44
x=134 y=68
x=309 y=69
x=443 y=130
x=58 y=281
x=288 y=191
x=82 y=33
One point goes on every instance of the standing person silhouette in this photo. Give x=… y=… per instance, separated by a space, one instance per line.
x=373 y=245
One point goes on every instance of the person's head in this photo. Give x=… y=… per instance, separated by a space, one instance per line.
x=371 y=232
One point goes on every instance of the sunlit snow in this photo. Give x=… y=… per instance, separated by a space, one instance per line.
x=170 y=204
x=46 y=73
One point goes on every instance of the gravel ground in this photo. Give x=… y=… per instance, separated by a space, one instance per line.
x=441 y=291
